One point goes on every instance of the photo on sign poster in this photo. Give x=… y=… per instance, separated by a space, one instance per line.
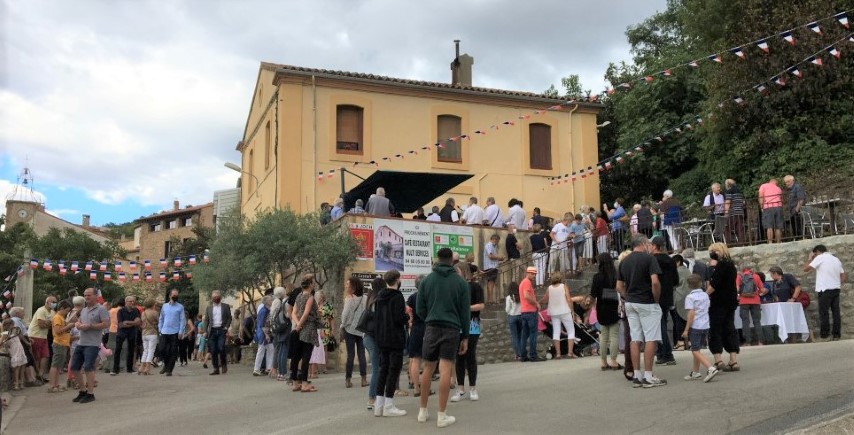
x=388 y=249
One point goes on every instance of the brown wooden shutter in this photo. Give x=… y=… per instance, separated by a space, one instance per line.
x=349 y=129
x=449 y=126
x=540 y=138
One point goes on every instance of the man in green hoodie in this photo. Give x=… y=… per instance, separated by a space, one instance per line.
x=444 y=302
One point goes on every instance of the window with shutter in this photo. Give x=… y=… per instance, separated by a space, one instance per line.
x=540 y=145
x=449 y=126
x=349 y=129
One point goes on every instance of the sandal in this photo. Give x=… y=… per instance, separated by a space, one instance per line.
x=605 y=368
x=401 y=393
x=617 y=367
x=720 y=365
x=296 y=388
x=732 y=367
x=310 y=389
x=53 y=389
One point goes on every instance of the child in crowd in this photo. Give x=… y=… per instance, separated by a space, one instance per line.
x=18 y=358
x=697 y=328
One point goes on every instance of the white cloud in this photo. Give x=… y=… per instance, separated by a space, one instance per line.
x=12 y=191
x=143 y=101
x=64 y=213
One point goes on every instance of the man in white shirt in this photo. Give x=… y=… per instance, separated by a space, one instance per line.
x=491 y=260
x=434 y=215
x=829 y=277
x=714 y=201
x=493 y=214
x=560 y=260
x=516 y=214
x=474 y=214
x=217 y=322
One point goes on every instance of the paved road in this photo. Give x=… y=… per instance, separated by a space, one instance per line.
x=780 y=389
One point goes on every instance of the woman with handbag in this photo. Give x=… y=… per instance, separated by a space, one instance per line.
x=324 y=334
x=305 y=326
x=603 y=290
x=354 y=305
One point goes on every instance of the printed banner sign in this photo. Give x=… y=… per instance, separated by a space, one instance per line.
x=403 y=245
x=364 y=236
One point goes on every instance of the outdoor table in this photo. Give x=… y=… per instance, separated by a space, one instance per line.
x=788 y=316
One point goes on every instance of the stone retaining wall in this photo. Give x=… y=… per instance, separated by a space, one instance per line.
x=494 y=344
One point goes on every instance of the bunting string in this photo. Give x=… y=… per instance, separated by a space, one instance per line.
x=120 y=271
x=739 y=52
x=761 y=89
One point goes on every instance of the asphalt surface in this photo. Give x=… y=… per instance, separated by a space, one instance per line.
x=800 y=388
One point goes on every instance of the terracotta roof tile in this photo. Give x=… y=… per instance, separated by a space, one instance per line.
x=347 y=74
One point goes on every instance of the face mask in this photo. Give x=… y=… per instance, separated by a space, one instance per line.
x=714 y=256
x=616 y=205
x=53 y=305
x=174 y=298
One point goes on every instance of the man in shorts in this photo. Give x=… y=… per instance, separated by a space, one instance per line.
x=444 y=302
x=93 y=320
x=38 y=331
x=637 y=282
x=771 y=201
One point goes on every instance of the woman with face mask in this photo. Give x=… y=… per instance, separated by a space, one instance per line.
x=723 y=296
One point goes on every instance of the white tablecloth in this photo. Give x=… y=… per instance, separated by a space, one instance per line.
x=788 y=316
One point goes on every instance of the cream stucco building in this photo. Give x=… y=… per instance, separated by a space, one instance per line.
x=304 y=125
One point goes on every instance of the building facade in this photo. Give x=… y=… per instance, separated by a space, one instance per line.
x=158 y=231
x=306 y=123
x=34 y=215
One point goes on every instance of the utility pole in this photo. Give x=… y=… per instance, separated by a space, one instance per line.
x=24 y=289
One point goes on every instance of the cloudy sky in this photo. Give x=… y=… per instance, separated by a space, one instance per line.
x=121 y=107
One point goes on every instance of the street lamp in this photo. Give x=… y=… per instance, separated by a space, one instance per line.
x=236 y=168
x=604 y=124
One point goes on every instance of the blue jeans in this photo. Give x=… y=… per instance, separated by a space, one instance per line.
x=282 y=357
x=374 y=354
x=216 y=345
x=529 y=333
x=665 y=348
x=515 y=325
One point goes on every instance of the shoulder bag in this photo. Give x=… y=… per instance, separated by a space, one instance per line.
x=366 y=321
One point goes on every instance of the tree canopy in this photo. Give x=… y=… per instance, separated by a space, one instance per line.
x=805 y=128
x=274 y=248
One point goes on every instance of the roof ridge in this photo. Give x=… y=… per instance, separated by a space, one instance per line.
x=270 y=66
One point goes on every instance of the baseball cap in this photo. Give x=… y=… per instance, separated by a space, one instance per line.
x=658 y=241
x=531 y=269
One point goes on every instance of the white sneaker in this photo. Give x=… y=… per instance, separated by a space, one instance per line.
x=444 y=420
x=423 y=415
x=393 y=411
x=458 y=395
x=693 y=376
x=379 y=406
x=711 y=374
x=473 y=395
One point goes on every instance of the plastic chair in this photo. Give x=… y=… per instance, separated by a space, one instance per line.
x=848 y=221
x=814 y=219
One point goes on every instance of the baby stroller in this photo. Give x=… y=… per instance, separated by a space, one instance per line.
x=586 y=338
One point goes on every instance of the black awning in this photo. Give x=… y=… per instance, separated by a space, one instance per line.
x=406 y=190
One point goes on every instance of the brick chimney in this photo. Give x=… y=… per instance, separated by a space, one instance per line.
x=176 y=205
x=85 y=221
x=461 y=67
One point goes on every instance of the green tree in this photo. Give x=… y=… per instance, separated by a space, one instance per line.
x=184 y=248
x=278 y=246
x=69 y=245
x=804 y=128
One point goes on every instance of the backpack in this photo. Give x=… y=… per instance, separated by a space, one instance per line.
x=280 y=324
x=748 y=287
